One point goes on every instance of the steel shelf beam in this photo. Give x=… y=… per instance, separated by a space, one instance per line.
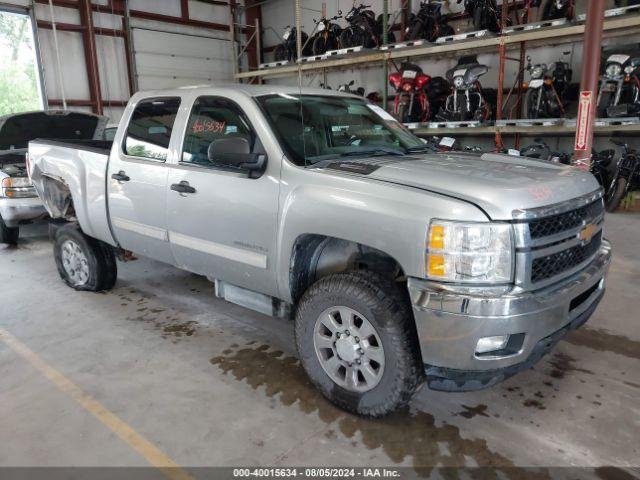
x=551 y=130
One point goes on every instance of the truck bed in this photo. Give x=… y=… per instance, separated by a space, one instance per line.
x=70 y=178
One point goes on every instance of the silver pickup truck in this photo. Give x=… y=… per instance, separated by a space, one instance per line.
x=399 y=265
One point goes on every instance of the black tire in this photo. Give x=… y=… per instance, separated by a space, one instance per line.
x=530 y=99
x=351 y=37
x=280 y=53
x=415 y=30
x=615 y=194
x=606 y=99
x=100 y=260
x=322 y=45
x=382 y=302
x=8 y=235
x=478 y=23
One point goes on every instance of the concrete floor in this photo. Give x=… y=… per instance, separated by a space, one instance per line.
x=210 y=383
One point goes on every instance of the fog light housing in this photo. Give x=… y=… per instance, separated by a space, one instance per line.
x=492 y=344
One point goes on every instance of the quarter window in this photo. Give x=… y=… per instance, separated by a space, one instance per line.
x=211 y=119
x=149 y=130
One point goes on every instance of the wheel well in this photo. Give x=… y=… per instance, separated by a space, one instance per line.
x=316 y=256
x=57 y=197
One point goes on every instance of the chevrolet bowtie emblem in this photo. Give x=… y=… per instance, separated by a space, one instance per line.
x=588 y=232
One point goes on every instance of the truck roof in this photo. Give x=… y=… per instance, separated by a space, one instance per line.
x=249 y=90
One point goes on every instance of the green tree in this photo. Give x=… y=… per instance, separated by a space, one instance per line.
x=18 y=87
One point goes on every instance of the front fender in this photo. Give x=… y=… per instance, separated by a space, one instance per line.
x=393 y=219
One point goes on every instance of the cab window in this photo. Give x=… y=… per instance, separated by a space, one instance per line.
x=149 y=130
x=211 y=119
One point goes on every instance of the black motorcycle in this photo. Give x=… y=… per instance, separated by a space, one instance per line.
x=348 y=88
x=625 y=179
x=364 y=29
x=287 y=50
x=327 y=34
x=619 y=93
x=554 y=9
x=466 y=101
x=428 y=23
x=485 y=14
x=542 y=151
x=547 y=89
x=600 y=162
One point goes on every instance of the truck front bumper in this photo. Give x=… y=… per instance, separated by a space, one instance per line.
x=450 y=324
x=16 y=211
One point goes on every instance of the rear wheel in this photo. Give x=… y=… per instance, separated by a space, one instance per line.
x=615 y=193
x=84 y=263
x=357 y=343
x=8 y=235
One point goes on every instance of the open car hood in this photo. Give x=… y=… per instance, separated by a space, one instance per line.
x=16 y=131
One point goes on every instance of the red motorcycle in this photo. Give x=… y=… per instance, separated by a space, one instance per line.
x=412 y=101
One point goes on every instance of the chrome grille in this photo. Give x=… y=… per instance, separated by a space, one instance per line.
x=555 y=264
x=565 y=221
x=552 y=243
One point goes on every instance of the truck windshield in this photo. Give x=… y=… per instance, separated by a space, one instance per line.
x=313 y=128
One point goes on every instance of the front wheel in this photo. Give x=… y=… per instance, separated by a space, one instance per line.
x=356 y=341
x=281 y=53
x=531 y=103
x=615 y=193
x=351 y=37
x=84 y=263
x=322 y=44
x=8 y=235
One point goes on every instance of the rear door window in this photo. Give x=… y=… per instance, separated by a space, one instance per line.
x=149 y=131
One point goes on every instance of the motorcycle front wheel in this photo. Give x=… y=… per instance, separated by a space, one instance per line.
x=606 y=101
x=280 y=53
x=323 y=44
x=351 y=37
x=530 y=102
x=415 y=31
x=615 y=194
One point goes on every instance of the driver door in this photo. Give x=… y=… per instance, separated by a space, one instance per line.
x=225 y=225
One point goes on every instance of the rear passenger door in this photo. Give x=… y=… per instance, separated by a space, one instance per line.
x=225 y=227
x=137 y=179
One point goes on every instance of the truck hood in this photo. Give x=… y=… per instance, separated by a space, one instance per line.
x=500 y=185
x=17 y=130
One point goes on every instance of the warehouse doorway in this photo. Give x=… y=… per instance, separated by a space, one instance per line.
x=20 y=83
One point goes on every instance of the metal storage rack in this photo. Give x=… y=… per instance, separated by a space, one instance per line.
x=618 y=22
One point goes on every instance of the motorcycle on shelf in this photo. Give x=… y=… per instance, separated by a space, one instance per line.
x=542 y=151
x=547 y=89
x=466 y=100
x=625 y=179
x=619 y=93
x=411 y=102
x=428 y=23
x=287 y=49
x=554 y=9
x=600 y=162
x=484 y=14
x=364 y=29
x=348 y=88
x=327 y=34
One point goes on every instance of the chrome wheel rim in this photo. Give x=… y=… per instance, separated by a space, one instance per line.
x=75 y=263
x=349 y=349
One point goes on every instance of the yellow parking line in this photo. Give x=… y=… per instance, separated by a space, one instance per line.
x=150 y=452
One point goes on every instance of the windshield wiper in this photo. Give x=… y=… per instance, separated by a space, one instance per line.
x=421 y=149
x=373 y=151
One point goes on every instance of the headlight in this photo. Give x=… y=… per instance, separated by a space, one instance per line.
x=458 y=82
x=321 y=26
x=470 y=252
x=629 y=70
x=18 y=187
x=537 y=72
x=614 y=70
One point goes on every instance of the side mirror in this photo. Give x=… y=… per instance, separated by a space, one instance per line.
x=235 y=152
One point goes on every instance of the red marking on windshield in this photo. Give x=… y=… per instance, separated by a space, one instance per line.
x=208 y=126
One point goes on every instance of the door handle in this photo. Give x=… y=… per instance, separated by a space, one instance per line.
x=121 y=176
x=183 y=187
